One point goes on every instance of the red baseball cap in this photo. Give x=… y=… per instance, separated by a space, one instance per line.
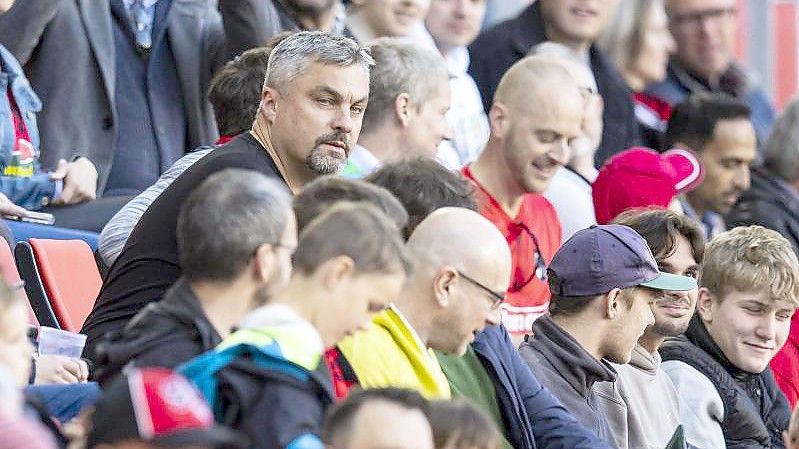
x=642 y=177
x=161 y=407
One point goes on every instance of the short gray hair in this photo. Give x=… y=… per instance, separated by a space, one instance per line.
x=401 y=67
x=781 y=152
x=294 y=54
x=224 y=221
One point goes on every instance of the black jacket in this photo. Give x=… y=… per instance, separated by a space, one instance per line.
x=769 y=203
x=163 y=334
x=755 y=410
x=499 y=47
x=562 y=366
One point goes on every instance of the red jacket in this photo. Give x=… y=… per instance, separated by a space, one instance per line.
x=785 y=364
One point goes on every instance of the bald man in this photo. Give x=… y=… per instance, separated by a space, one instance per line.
x=537 y=112
x=461 y=269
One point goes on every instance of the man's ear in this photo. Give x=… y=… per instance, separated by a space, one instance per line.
x=443 y=283
x=336 y=270
x=402 y=106
x=704 y=305
x=268 y=106
x=498 y=119
x=612 y=306
x=264 y=262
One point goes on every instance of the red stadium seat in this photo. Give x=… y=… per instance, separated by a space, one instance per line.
x=62 y=276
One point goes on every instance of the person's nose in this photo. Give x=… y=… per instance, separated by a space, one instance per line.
x=767 y=328
x=561 y=153
x=742 y=179
x=343 y=122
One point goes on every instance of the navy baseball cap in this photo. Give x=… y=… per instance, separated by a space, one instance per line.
x=596 y=260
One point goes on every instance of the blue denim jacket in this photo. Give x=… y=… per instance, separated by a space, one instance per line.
x=35 y=191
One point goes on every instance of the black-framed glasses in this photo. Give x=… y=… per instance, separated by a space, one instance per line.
x=695 y=19
x=496 y=297
x=539 y=270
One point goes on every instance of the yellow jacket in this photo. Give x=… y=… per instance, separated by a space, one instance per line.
x=390 y=354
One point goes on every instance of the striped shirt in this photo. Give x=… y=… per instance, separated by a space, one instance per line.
x=115 y=234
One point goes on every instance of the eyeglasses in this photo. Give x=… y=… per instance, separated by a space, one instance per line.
x=539 y=265
x=278 y=244
x=496 y=298
x=696 y=19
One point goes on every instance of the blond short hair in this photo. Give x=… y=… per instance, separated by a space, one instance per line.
x=751 y=258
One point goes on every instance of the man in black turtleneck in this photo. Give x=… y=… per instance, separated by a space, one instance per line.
x=748 y=293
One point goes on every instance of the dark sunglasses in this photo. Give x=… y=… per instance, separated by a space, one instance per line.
x=540 y=265
x=496 y=298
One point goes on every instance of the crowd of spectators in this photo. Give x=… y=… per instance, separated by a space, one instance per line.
x=415 y=224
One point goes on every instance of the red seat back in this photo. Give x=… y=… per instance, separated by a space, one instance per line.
x=10 y=274
x=70 y=277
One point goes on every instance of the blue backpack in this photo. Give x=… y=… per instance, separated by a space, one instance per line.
x=254 y=389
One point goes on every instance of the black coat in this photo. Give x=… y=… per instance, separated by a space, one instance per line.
x=499 y=47
x=768 y=203
x=164 y=334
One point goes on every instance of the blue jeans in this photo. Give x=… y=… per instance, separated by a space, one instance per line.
x=65 y=401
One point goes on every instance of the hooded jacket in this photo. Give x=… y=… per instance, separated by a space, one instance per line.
x=652 y=411
x=164 y=334
x=534 y=418
x=746 y=410
x=561 y=364
x=267 y=379
x=770 y=203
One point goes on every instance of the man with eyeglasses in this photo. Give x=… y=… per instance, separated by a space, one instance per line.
x=604 y=281
x=461 y=267
x=704 y=31
x=537 y=112
x=225 y=274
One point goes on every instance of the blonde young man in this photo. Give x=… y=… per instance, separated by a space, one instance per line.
x=748 y=292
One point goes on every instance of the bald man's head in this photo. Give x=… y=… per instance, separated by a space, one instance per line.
x=463 y=267
x=533 y=81
x=538 y=110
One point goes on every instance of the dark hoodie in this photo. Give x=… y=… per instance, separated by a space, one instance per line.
x=769 y=202
x=163 y=334
x=569 y=372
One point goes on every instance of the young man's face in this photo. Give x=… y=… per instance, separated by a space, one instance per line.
x=726 y=159
x=427 y=123
x=319 y=118
x=674 y=310
x=630 y=324
x=748 y=327
x=355 y=299
x=396 y=18
x=576 y=22
x=455 y=23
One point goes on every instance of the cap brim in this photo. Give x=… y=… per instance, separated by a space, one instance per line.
x=673 y=282
x=216 y=437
